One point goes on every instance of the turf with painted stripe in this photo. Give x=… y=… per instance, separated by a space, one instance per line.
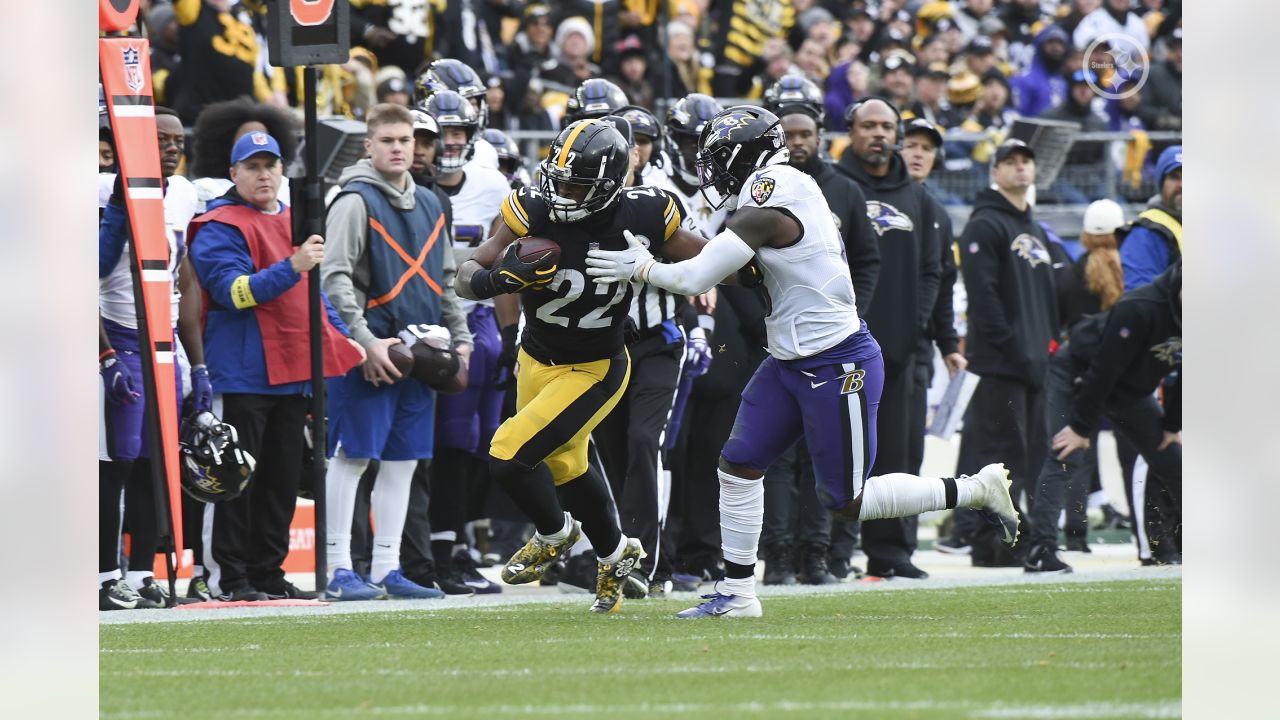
x=1088 y=650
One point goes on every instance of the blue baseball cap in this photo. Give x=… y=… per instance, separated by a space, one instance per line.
x=252 y=144
x=1169 y=160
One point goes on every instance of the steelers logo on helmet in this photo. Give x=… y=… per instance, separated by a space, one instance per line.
x=585 y=170
x=459 y=129
x=736 y=143
x=595 y=98
x=685 y=122
x=795 y=93
x=455 y=75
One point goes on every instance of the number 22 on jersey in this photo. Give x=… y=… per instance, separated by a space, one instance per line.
x=577 y=283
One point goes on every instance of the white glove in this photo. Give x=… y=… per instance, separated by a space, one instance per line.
x=414 y=333
x=610 y=266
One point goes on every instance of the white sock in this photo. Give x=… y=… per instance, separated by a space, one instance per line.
x=450 y=535
x=741 y=515
x=341 y=483
x=390 y=504
x=582 y=547
x=559 y=536
x=616 y=555
x=902 y=495
x=742 y=587
x=135 y=578
x=110 y=576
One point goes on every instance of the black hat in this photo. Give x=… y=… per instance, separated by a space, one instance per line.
x=1009 y=147
x=995 y=75
x=937 y=70
x=922 y=125
x=979 y=45
x=898 y=61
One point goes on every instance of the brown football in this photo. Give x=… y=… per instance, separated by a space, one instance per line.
x=435 y=364
x=402 y=358
x=533 y=249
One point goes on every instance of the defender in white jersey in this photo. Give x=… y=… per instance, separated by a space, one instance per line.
x=823 y=378
x=465 y=423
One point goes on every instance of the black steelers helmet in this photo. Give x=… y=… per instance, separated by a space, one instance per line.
x=733 y=145
x=455 y=75
x=214 y=468
x=591 y=157
x=594 y=98
x=795 y=93
x=685 y=121
x=452 y=110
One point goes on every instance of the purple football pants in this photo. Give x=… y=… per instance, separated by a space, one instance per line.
x=832 y=406
x=468 y=420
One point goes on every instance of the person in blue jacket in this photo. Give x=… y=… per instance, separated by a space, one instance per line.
x=1153 y=242
x=257 y=347
x=1043 y=85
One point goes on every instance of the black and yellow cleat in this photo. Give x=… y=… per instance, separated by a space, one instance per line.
x=531 y=561
x=610 y=578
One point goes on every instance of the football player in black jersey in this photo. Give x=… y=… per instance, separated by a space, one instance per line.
x=573 y=363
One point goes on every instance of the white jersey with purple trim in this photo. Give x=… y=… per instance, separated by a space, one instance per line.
x=807 y=284
x=115 y=291
x=483 y=155
x=475 y=206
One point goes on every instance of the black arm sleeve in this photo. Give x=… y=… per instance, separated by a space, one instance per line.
x=862 y=250
x=1173 y=403
x=943 y=323
x=981 y=271
x=930 y=260
x=1122 y=341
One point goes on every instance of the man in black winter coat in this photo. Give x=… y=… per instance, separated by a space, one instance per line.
x=1111 y=367
x=902 y=215
x=1013 y=314
x=921 y=143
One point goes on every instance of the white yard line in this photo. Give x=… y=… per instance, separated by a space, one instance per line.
x=1092 y=710
x=950 y=575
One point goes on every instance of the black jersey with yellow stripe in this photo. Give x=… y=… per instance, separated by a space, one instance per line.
x=574 y=320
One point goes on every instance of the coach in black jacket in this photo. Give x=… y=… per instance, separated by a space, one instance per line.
x=901 y=214
x=1111 y=367
x=1013 y=314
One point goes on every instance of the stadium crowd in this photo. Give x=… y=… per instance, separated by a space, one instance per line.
x=901 y=110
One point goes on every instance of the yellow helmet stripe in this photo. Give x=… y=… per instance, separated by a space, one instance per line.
x=568 y=143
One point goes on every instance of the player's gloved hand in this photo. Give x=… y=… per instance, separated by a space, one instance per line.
x=513 y=275
x=697 y=354
x=504 y=369
x=118 y=381
x=610 y=266
x=201 y=389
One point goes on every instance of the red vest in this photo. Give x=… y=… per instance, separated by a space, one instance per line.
x=283 y=321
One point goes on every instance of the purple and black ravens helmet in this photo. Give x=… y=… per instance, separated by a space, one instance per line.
x=733 y=145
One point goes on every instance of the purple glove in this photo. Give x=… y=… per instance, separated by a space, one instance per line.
x=118 y=381
x=697 y=354
x=201 y=389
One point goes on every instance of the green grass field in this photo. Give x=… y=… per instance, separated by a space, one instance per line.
x=1077 y=650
